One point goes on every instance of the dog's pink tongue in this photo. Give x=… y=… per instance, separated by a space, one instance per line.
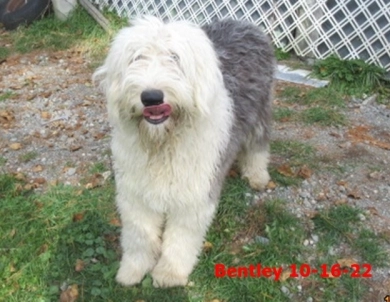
x=157 y=111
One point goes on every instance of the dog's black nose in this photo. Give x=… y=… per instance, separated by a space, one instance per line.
x=152 y=97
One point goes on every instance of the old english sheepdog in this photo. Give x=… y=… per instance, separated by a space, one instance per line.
x=184 y=102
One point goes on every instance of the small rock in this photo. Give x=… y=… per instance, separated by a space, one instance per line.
x=305 y=183
x=304 y=194
x=375 y=175
x=306 y=242
x=299 y=287
x=15 y=146
x=71 y=172
x=315 y=238
x=310 y=299
x=342 y=189
x=370 y=100
x=191 y=284
x=261 y=239
x=361 y=217
x=285 y=290
x=321 y=196
x=106 y=175
x=307 y=203
x=331 y=251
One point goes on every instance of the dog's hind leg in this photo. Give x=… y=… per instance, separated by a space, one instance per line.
x=253 y=160
x=140 y=241
x=182 y=242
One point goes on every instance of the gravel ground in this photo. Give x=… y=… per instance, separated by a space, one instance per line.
x=54 y=129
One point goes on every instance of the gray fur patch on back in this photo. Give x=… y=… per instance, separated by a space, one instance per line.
x=248 y=64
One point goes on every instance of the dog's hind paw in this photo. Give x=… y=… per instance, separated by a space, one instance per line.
x=258 y=181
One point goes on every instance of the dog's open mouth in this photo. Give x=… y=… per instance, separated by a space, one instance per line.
x=157 y=114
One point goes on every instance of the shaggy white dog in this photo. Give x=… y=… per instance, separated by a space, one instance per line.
x=184 y=103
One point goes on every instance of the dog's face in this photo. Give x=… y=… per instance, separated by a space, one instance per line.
x=158 y=75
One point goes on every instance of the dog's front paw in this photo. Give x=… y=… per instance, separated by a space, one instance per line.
x=129 y=275
x=163 y=277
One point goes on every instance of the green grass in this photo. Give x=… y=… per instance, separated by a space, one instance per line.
x=323 y=116
x=283 y=114
x=295 y=154
x=324 y=96
x=98 y=167
x=6 y=96
x=337 y=223
x=369 y=246
x=50 y=33
x=26 y=157
x=48 y=232
x=291 y=94
x=4 y=53
x=342 y=224
x=321 y=106
x=313 y=115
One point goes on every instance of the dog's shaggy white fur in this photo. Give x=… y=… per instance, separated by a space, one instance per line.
x=184 y=103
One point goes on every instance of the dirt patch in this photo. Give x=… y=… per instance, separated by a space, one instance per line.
x=55 y=113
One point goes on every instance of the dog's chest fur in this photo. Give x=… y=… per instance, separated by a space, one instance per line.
x=180 y=172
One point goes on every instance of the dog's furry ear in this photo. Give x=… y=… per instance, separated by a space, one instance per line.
x=201 y=66
x=111 y=71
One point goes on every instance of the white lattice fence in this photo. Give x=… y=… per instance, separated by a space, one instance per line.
x=315 y=28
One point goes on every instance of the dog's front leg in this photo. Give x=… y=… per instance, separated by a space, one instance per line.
x=140 y=241
x=182 y=241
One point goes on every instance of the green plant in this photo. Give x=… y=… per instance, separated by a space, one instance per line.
x=354 y=77
x=281 y=55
